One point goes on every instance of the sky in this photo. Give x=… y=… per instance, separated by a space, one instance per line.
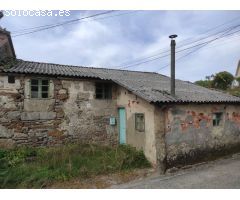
x=128 y=38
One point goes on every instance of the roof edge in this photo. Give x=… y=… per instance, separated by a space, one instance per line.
x=90 y=67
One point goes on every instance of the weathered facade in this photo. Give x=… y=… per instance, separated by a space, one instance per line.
x=70 y=113
x=174 y=134
x=44 y=104
x=191 y=134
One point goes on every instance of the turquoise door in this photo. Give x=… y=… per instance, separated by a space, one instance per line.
x=122 y=125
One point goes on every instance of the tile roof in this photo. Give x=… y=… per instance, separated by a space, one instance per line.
x=152 y=87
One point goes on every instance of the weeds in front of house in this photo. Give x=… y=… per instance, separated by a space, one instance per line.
x=28 y=167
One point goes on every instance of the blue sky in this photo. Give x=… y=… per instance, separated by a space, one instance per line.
x=120 y=40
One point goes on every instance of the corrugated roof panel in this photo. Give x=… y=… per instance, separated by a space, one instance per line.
x=152 y=87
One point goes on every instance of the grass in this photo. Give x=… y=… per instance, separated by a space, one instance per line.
x=27 y=167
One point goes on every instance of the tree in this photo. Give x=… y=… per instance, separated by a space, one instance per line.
x=222 y=80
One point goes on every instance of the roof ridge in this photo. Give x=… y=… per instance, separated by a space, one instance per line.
x=89 y=67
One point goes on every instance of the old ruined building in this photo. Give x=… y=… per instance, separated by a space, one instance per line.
x=44 y=104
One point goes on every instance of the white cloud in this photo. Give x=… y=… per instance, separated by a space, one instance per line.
x=111 y=42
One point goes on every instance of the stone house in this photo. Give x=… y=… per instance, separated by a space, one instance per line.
x=49 y=104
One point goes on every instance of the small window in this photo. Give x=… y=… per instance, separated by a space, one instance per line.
x=39 y=88
x=103 y=91
x=139 y=122
x=217 y=118
x=11 y=79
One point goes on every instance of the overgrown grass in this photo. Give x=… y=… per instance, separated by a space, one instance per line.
x=38 y=167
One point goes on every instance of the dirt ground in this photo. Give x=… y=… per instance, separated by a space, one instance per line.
x=103 y=181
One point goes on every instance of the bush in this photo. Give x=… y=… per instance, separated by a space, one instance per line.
x=38 y=167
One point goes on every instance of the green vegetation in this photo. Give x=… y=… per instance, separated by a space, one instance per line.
x=8 y=62
x=234 y=91
x=207 y=82
x=204 y=83
x=221 y=81
x=27 y=167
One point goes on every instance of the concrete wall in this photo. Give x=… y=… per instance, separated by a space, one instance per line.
x=141 y=140
x=191 y=136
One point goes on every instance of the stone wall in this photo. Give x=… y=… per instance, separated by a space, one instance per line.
x=70 y=114
x=191 y=137
x=87 y=118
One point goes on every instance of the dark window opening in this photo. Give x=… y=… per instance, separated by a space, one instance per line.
x=11 y=79
x=139 y=122
x=103 y=91
x=39 y=88
x=217 y=118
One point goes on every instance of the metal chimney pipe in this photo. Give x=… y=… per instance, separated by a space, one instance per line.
x=1 y=14
x=173 y=45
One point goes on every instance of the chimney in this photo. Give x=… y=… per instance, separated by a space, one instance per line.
x=1 y=14
x=6 y=46
x=173 y=44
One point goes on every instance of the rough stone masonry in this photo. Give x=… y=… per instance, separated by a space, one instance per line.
x=70 y=114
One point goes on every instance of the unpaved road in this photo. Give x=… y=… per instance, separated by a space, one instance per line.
x=224 y=173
